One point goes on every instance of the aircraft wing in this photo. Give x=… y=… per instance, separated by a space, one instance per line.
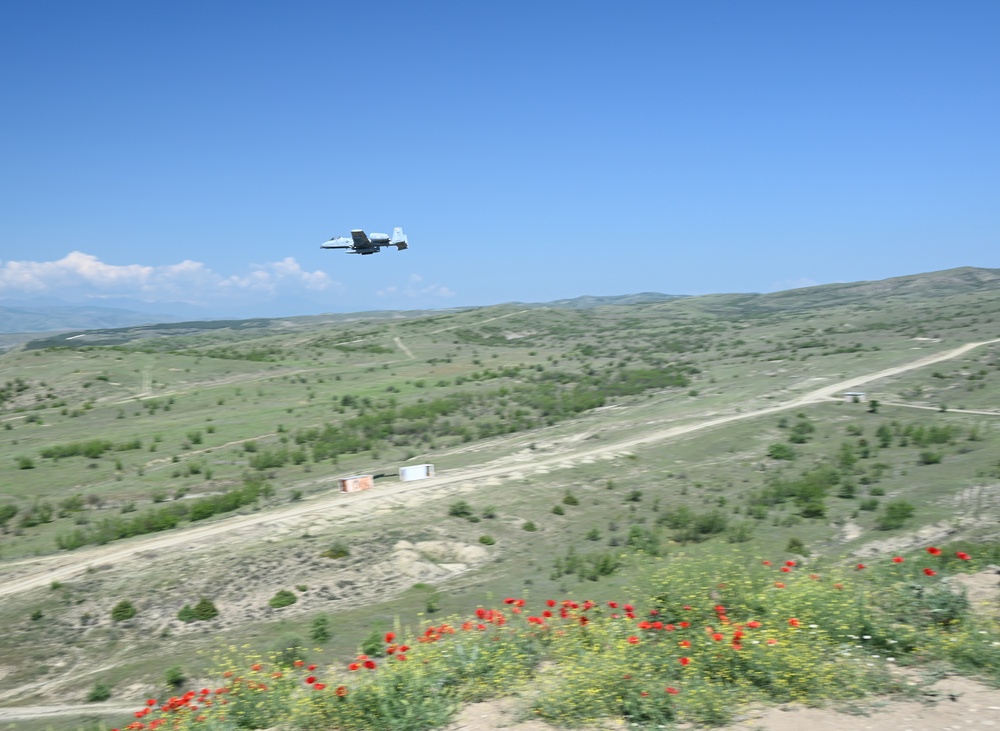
x=360 y=238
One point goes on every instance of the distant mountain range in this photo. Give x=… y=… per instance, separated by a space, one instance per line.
x=36 y=319
x=41 y=317
x=587 y=301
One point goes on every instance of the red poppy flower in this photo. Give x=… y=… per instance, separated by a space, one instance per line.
x=319 y=686
x=354 y=666
x=403 y=648
x=772 y=641
x=299 y=663
x=551 y=602
x=719 y=609
x=753 y=624
x=613 y=605
x=930 y=572
x=789 y=563
x=687 y=607
x=898 y=559
x=644 y=693
x=685 y=643
x=717 y=637
x=341 y=691
x=310 y=680
x=766 y=563
x=508 y=600
x=962 y=555
x=389 y=637
x=370 y=664
x=671 y=690
x=814 y=577
x=685 y=660
x=838 y=586
x=933 y=551
x=401 y=657
x=669 y=627
x=860 y=566
x=628 y=608
x=546 y=613
x=633 y=640
x=793 y=622
x=785 y=570
x=256 y=666
x=778 y=585
x=151 y=702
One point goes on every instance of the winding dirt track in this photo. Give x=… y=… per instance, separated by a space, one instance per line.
x=62 y=566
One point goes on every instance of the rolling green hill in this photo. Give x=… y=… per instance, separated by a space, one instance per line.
x=577 y=450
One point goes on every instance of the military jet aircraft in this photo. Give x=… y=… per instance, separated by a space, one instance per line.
x=361 y=243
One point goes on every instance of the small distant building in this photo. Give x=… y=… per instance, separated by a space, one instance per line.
x=357 y=483
x=854 y=397
x=416 y=472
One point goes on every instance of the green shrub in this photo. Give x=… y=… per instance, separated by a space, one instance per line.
x=780 y=450
x=487 y=540
x=374 y=644
x=570 y=499
x=100 y=692
x=320 y=630
x=283 y=598
x=897 y=512
x=338 y=550
x=123 y=610
x=529 y=525
x=205 y=610
x=558 y=510
x=460 y=509
x=175 y=676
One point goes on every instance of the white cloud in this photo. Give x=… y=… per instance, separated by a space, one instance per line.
x=84 y=276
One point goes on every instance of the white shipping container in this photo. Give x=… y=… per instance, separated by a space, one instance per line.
x=416 y=472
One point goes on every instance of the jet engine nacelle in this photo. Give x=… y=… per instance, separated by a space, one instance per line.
x=379 y=238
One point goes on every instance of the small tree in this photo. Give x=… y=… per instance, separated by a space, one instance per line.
x=460 y=509
x=123 y=610
x=529 y=525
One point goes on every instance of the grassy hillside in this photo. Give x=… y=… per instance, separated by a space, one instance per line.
x=549 y=427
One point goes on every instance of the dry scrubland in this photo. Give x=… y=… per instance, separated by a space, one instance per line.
x=157 y=472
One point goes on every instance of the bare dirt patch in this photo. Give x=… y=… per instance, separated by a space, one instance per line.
x=950 y=703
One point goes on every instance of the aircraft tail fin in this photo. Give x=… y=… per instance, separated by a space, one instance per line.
x=399 y=239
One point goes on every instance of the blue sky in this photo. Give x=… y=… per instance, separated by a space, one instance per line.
x=201 y=151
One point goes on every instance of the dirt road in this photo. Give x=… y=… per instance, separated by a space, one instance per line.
x=39 y=572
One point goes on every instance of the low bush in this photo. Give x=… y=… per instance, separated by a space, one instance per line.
x=707 y=639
